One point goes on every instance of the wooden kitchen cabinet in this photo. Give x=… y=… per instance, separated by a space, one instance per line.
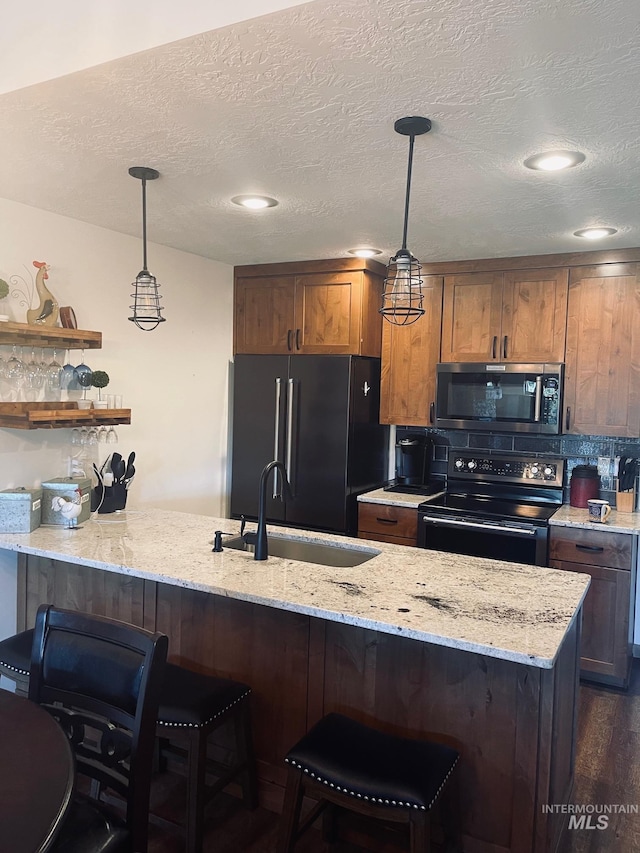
x=606 y=651
x=602 y=373
x=386 y=523
x=511 y=316
x=409 y=358
x=319 y=307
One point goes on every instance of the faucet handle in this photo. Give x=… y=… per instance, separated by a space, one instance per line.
x=243 y=524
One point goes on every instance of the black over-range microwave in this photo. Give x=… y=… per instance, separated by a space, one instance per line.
x=500 y=397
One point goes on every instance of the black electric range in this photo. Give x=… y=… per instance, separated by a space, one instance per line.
x=494 y=506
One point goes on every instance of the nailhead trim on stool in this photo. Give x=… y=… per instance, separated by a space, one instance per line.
x=343 y=762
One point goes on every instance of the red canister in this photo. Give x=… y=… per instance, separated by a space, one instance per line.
x=585 y=485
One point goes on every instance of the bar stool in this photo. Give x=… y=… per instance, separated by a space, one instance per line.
x=192 y=707
x=342 y=762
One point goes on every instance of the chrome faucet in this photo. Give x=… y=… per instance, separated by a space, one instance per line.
x=259 y=538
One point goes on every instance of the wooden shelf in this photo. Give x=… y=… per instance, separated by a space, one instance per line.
x=23 y=334
x=55 y=415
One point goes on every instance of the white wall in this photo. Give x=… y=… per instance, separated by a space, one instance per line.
x=175 y=379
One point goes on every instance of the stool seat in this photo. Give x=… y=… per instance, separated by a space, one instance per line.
x=347 y=766
x=15 y=653
x=372 y=765
x=194 y=700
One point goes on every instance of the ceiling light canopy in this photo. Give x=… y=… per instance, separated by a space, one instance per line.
x=364 y=252
x=595 y=233
x=254 y=202
x=555 y=161
x=146 y=299
x=402 y=294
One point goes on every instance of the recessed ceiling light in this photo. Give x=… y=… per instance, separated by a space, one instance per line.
x=554 y=161
x=595 y=233
x=254 y=202
x=364 y=253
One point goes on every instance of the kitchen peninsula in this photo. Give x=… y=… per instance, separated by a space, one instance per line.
x=481 y=654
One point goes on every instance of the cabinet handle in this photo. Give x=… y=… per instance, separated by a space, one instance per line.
x=289 y=339
x=567 y=420
x=297 y=338
x=494 y=344
x=504 y=346
x=432 y=409
x=595 y=548
x=387 y=520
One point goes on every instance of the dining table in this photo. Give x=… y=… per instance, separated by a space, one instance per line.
x=37 y=775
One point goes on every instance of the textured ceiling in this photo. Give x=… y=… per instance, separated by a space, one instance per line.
x=300 y=105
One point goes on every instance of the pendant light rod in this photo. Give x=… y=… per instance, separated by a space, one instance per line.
x=410 y=126
x=144 y=174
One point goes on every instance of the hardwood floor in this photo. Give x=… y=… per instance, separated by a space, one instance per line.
x=607 y=773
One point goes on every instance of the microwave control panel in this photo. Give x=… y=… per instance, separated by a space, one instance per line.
x=550 y=400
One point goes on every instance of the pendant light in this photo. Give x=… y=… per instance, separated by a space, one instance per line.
x=402 y=294
x=146 y=300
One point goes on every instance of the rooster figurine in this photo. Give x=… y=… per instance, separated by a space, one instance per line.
x=69 y=510
x=47 y=312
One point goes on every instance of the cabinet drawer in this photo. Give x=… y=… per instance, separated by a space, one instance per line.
x=396 y=521
x=592 y=548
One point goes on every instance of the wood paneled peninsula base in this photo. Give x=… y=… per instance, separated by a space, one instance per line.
x=476 y=653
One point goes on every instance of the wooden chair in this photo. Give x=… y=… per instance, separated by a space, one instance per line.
x=100 y=679
x=343 y=763
x=192 y=706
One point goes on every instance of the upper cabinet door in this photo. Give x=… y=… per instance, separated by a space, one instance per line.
x=471 y=317
x=328 y=313
x=602 y=373
x=534 y=315
x=409 y=358
x=264 y=314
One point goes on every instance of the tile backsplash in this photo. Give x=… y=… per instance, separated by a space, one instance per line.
x=597 y=450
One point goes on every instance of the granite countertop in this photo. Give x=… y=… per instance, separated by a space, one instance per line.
x=503 y=610
x=380 y=496
x=617 y=522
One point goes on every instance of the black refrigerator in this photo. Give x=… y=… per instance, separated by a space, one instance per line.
x=319 y=415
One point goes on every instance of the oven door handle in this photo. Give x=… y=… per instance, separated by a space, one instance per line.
x=495 y=528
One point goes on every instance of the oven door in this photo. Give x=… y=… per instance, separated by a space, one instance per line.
x=517 y=543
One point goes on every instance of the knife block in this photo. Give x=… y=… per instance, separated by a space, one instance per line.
x=626 y=501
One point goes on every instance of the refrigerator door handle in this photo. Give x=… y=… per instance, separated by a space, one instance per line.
x=289 y=449
x=276 y=436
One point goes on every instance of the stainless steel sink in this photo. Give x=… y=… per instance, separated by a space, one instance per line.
x=320 y=553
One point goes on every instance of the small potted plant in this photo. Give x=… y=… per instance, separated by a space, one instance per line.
x=100 y=380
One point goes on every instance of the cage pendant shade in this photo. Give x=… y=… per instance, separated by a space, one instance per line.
x=146 y=299
x=402 y=295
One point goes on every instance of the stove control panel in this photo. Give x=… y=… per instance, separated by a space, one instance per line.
x=506 y=468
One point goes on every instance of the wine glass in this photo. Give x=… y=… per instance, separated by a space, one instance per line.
x=67 y=376
x=33 y=376
x=112 y=436
x=83 y=374
x=15 y=371
x=53 y=375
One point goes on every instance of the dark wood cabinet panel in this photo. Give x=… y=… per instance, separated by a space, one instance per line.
x=471 y=317
x=309 y=308
x=602 y=374
x=387 y=523
x=409 y=358
x=606 y=652
x=515 y=316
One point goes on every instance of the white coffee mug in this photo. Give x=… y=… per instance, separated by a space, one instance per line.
x=598 y=510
